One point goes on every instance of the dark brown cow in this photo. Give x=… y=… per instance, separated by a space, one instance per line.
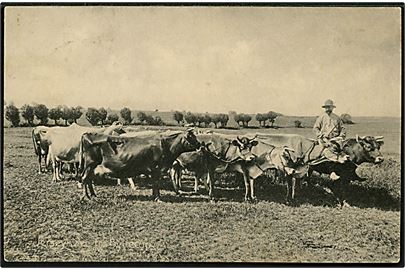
x=121 y=157
x=358 y=150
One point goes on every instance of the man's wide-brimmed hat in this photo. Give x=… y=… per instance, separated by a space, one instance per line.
x=329 y=103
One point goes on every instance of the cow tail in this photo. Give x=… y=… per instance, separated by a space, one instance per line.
x=35 y=142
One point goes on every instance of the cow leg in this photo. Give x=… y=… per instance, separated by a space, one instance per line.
x=293 y=187
x=79 y=178
x=211 y=185
x=60 y=173
x=340 y=190
x=178 y=179
x=119 y=181
x=195 y=184
x=76 y=167
x=247 y=187
x=85 y=176
x=156 y=178
x=85 y=193
x=131 y=183
x=91 y=188
x=252 y=189
x=54 y=168
x=60 y=168
x=174 y=175
x=39 y=164
x=87 y=182
x=45 y=165
x=206 y=183
x=289 y=189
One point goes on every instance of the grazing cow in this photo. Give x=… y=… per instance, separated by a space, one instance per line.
x=64 y=144
x=126 y=157
x=355 y=151
x=41 y=145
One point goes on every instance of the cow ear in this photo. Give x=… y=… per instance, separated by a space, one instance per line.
x=380 y=143
x=235 y=143
x=254 y=143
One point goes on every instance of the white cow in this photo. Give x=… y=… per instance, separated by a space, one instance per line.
x=64 y=144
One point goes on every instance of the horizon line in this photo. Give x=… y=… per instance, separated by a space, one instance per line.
x=173 y=110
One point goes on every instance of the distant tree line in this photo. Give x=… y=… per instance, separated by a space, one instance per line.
x=149 y=119
x=201 y=120
x=67 y=114
x=42 y=114
x=270 y=117
x=99 y=116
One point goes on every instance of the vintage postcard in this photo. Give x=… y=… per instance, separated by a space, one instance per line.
x=184 y=133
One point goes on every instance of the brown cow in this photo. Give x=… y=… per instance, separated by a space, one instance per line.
x=126 y=157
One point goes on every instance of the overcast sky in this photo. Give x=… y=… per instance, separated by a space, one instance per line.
x=202 y=59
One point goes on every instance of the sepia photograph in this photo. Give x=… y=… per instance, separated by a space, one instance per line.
x=202 y=134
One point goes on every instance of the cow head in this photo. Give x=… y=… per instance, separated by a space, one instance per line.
x=204 y=146
x=282 y=158
x=366 y=149
x=116 y=128
x=191 y=139
x=182 y=142
x=244 y=146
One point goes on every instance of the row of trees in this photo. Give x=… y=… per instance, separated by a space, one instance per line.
x=42 y=114
x=270 y=116
x=67 y=114
x=101 y=116
x=198 y=119
x=149 y=119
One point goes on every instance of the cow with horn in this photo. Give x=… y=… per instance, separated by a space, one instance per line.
x=127 y=157
x=355 y=151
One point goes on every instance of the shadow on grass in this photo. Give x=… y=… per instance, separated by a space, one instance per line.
x=166 y=198
x=372 y=197
x=317 y=194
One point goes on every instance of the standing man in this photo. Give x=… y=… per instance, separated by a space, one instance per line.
x=330 y=131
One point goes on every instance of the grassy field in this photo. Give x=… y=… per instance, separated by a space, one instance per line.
x=45 y=221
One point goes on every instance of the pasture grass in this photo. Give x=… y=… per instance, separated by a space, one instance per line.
x=45 y=221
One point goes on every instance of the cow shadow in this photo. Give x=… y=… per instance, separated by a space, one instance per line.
x=314 y=195
x=165 y=198
x=371 y=197
x=324 y=194
x=316 y=192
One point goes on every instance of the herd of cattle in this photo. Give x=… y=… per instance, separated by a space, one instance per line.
x=120 y=152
